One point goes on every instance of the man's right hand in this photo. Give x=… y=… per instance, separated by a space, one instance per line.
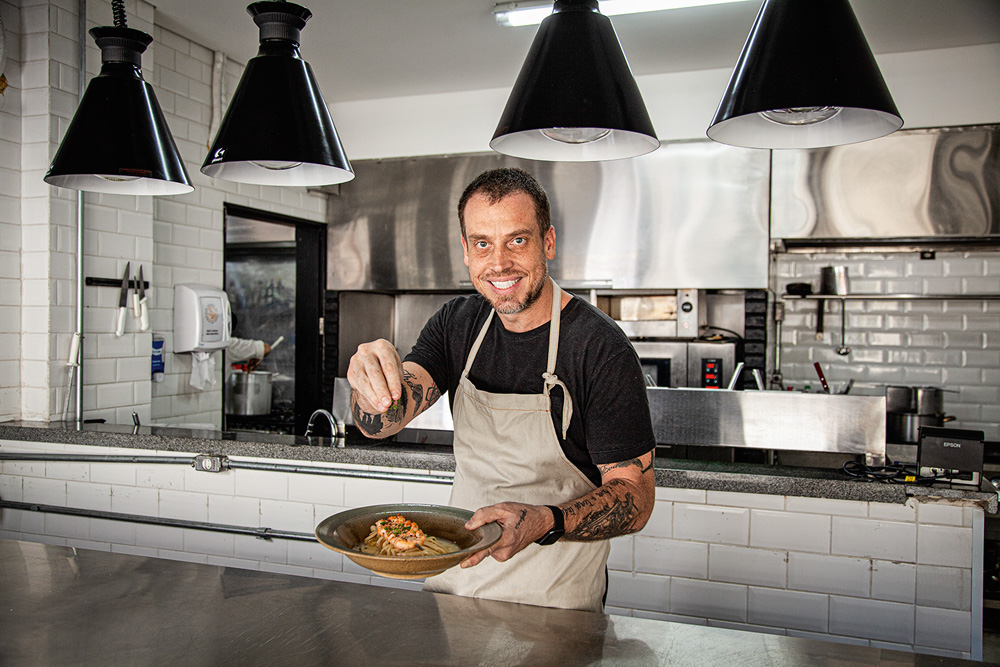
x=375 y=374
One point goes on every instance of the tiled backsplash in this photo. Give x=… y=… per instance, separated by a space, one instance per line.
x=897 y=576
x=188 y=229
x=175 y=239
x=10 y=219
x=948 y=343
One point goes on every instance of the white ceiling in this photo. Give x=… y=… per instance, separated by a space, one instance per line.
x=373 y=49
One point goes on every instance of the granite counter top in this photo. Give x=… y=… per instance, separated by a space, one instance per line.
x=355 y=449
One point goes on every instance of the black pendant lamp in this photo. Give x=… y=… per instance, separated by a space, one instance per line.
x=278 y=129
x=806 y=79
x=118 y=141
x=575 y=99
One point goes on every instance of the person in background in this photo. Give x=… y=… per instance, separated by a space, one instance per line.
x=553 y=438
x=245 y=349
x=252 y=351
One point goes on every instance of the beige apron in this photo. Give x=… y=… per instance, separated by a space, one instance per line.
x=506 y=449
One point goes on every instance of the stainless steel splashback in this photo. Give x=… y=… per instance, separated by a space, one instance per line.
x=778 y=420
x=939 y=182
x=691 y=214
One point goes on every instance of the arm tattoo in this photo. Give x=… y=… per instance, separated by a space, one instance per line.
x=627 y=464
x=416 y=391
x=369 y=422
x=608 y=512
x=374 y=423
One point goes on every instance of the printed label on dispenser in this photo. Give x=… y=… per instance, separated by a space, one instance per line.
x=212 y=320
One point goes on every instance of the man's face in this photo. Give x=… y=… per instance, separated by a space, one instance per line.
x=505 y=252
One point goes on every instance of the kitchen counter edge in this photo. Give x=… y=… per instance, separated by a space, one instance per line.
x=670 y=473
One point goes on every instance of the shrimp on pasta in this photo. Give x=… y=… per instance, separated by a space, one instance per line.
x=398 y=536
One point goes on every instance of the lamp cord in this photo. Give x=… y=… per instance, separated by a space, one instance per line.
x=118 y=9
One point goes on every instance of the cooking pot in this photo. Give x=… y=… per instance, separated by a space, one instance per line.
x=904 y=427
x=915 y=400
x=249 y=393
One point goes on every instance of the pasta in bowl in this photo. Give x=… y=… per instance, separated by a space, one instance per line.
x=405 y=540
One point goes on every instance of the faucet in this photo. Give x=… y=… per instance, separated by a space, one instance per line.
x=336 y=430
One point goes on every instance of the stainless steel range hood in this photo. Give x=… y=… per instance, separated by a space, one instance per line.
x=690 y=215
x=916 y=188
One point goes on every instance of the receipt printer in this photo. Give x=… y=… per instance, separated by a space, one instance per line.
x=202 y=318
x=951 y=453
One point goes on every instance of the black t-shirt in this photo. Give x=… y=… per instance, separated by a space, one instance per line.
x=610 y=421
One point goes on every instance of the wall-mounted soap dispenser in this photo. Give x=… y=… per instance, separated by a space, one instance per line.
x=202 y=318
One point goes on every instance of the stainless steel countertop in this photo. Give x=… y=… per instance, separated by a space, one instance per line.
x=60 y=606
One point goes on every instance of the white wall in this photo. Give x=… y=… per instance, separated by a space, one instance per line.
x=959 y=86
x=10 y=218
x=175 y=239
x=188 y=229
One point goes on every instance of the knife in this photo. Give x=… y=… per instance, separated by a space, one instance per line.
x=122 y=304
x=143 y=304
x=822 y=378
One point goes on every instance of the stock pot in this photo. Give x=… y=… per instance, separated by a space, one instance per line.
x=249 y=393
x=916 y=400
x=909 y=408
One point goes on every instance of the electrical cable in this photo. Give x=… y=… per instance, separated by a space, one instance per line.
x=729 y=331
x=894 y=473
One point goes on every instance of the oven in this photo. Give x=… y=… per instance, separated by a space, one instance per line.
x=688 y=363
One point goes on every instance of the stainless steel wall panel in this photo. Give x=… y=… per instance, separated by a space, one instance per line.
x=692 y=215
x=364 y=317
x=778 y=420
x=918 y=183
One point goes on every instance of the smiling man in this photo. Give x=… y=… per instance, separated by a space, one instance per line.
x=553 y=438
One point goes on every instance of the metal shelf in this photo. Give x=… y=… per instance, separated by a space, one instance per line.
x=896 y=297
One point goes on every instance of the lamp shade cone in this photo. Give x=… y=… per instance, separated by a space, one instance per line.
x=806 y=78
x=575 y=98
x=277 y=129
x=118 y=141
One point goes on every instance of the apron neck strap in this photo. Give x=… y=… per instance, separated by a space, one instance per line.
x=479 y=341
x=550 y=365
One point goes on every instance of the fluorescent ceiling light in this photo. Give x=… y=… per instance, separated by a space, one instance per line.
x=514 y=14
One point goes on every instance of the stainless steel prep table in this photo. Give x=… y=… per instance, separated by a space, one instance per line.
x=75 y=606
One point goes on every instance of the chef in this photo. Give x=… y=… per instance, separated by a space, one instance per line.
x=553 y=438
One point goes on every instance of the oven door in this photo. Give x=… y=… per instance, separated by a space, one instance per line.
x=664 y=364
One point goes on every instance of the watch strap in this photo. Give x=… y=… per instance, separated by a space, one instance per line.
x=558 y=528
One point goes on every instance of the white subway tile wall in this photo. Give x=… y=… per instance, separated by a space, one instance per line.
x=946 y=343
x=175 y=239
x=187 y=237
x=800 y=567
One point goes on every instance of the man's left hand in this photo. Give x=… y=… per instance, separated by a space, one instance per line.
x=522 y=524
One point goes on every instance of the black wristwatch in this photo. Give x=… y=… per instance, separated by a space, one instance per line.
x=558 y=530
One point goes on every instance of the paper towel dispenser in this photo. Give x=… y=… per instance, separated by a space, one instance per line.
x=202 y=318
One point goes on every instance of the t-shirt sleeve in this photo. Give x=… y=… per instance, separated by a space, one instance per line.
x=617 y=423
x=430 y=351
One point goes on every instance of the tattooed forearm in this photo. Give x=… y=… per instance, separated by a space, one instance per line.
x=369 y=422
x=433 y=394
x=607 y=512
x=631 y=463
x=416 y=391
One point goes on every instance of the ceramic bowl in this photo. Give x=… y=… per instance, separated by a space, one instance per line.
x=344 y=531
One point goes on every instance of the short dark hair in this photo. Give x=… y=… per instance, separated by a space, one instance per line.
x=496 y=184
